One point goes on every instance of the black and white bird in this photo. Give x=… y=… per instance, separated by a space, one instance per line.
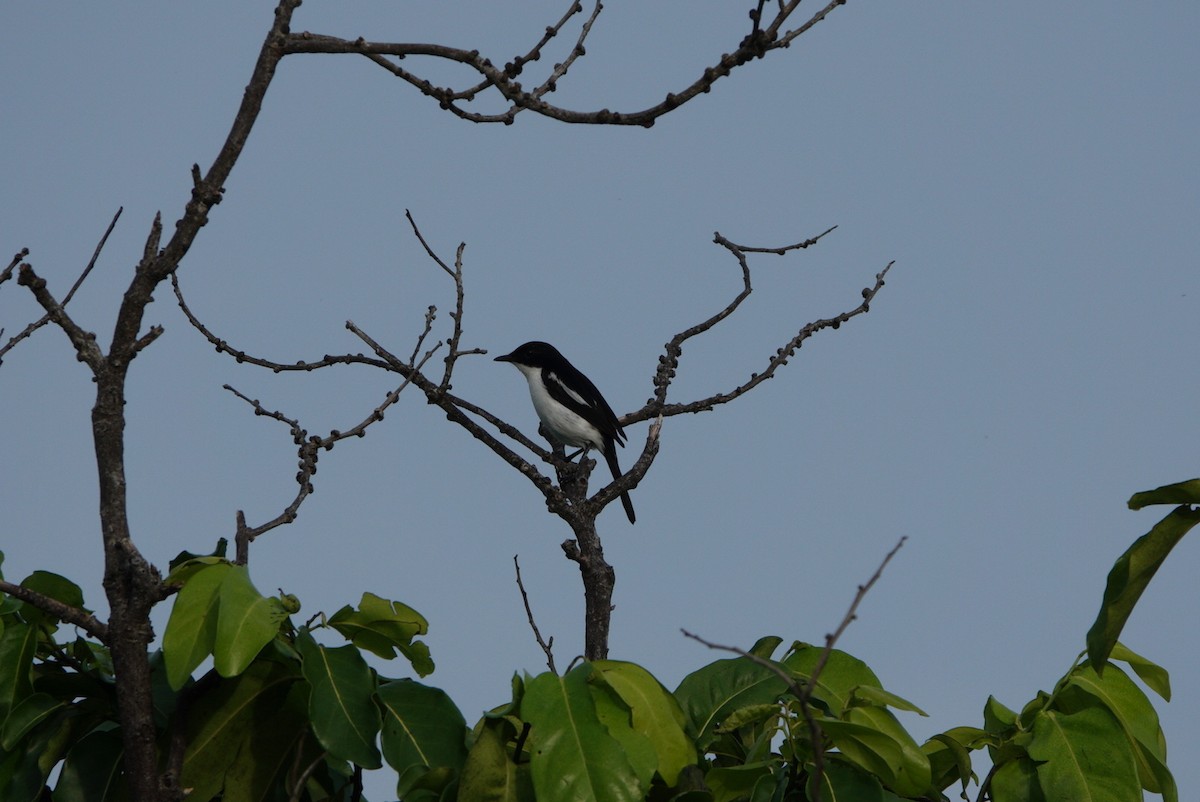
x=569 y=405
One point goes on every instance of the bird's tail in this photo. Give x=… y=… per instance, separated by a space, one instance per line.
x=610 y=455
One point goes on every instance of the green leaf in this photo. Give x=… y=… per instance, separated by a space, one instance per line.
x=183 y=557
x=1128 y=578
x=1155 y=676
x=267 y=756
x=421 y=727
x=184 y=571
x=765 y=646
x=192 y=628
x=878 y=696
x=841 y=676
x=344 y=717
x=1084 y=756
x=236 y=715
x=910 y=769
x=711 y=694
x=18 y=643
x=489 y=774
x=997 y=719
x=56 y=587
x=92 y=770
x=730 y=783
x=573 y=757
x=25 y=715
x=949 y=761
x=382 y=626
x=246 y=622
x=617 y=719
x=23 y=771
x=1017 y=781
x=1118 y=694
x=1179 y=493
x=655 y=714
x=843 y=782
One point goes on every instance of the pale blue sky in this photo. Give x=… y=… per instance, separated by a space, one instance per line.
x=1031 y=167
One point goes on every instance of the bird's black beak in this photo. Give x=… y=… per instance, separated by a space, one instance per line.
x=505 y=358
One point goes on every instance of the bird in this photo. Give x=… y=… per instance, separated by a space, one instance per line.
x=569 y=405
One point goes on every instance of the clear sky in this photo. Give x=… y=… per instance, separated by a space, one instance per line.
x=1032 y=168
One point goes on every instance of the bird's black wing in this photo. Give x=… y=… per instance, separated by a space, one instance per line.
x=587 y=403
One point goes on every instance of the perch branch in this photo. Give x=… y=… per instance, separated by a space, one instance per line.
x=64 y=612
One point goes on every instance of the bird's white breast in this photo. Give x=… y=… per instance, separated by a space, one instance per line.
x=565 y=425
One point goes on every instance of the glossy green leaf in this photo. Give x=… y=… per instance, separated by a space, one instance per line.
x=25 y=715
x=708 y=696
x=489 y=774
x=843 y=782
x=192 y=628
x=23 y=771
x=382 y=626
x=1129 y=577
x=56 y=587
x=1118 y=694
x=897 y=762
x=183 y=572
x=617 y=718
x=765 y=646
x=233 y=716
x=268 y=754
x=949 y=761
x=344 y=716
x=246 y=622
x=1084 y=755
x=92 y=770
x=1155 y=676
x=839 y=678
x=730 y=783
x=997 y=718
x=654 y=713
x=911 y=771
x=421 y=727
x=573 y=756
x=878 y=696
x=1017 y=781
x=184 y=557
x=18 y=643
x=1179 y=493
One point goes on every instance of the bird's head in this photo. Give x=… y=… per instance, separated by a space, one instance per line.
x=534 y=354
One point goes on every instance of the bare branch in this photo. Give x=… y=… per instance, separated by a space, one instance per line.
x=64 y=612
x=7 y=272
x=456 y=315
x=547 y=646
x=754 y=46
x=37 y=324
x=669 y=362
x=309 y=451
x=84 y=341
x=224 y=347
x=852 y=613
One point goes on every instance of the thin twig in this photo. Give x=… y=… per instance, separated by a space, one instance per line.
x=309 y=451
x=803 y=693
x=547 y=646
x=95 y=255
x=46 y=318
